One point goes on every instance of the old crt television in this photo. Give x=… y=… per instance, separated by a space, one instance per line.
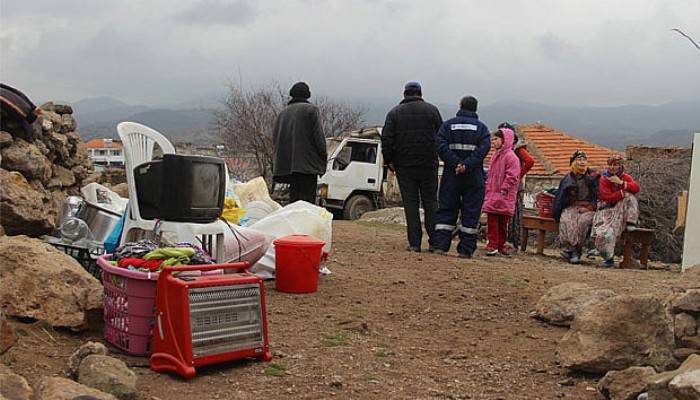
x=181 y=188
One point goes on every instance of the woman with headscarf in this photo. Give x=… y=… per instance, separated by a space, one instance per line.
x=501 y=191
x=575 y=206
x=618 y=209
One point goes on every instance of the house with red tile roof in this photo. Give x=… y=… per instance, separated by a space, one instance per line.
x=106 y=152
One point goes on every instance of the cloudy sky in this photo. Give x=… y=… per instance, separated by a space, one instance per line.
x=575 y=52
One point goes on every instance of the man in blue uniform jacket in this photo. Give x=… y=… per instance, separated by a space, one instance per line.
x=463 y=143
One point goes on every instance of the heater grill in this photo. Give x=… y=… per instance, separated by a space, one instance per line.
x=225 y=318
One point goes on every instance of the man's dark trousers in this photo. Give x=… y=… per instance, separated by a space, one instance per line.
x=302 y=187
x=418 y=186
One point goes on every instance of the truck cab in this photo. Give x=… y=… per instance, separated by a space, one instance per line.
x=354 y=174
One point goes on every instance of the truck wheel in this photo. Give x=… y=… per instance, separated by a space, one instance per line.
x=356 y=206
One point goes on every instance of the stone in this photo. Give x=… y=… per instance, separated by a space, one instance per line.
x=5 y=139
x=625 y=384
x=687 y=301
x=682 y=353
x=86 y=349
x=48 y=106
x=618 y=333
x=61 y=177
x=122 y=189
x=660 y=394
x=24 y=208
x=52 y=287
x=7 y=334
x=661 y=380
x=68 y=123
x=58 y=144
x=61 y=108
x=686 y=386
x=13 y=386
x=684 y=325
x=561 y=303
x=26 y=158
x=109 y=375
x=54 y=388
x=691 y=342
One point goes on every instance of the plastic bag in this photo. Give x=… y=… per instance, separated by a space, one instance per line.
x=100 y=195
x=232 y=213
x=297 y=218
x=245 y=244
x=255 y=190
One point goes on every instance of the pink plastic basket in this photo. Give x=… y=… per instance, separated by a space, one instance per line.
x=129 y=307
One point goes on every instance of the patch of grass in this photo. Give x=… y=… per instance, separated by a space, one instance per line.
x=335 y=340
x=381 y=352
x=274 y=369
x=370 y=224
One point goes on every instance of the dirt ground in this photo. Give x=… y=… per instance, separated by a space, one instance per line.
x=386 y=324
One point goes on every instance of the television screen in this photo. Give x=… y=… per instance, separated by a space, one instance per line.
x=205 y=185
x=181 y=188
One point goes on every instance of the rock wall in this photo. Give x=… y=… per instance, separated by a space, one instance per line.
x=36 y=176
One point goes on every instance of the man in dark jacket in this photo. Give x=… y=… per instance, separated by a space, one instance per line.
x=300 y=146
x=463 y=143
x=408 y=147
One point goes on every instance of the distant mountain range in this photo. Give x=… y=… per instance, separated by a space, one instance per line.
x=670 y=124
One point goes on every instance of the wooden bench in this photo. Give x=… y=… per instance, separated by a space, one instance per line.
x=542 y=224
x=640 y=235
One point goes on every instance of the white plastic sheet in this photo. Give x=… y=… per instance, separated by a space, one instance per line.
x=104 y=197
x=297 y=218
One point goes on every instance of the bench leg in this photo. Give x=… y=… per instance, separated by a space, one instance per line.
x=627 y=255
x=644 y=255
x=523 y=240
x=540 y=242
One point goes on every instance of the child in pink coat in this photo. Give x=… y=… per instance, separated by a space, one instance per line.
x=501 y=190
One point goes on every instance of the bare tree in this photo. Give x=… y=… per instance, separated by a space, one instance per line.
x=246 y=118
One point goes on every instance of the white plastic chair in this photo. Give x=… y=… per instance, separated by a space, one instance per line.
x=138 y=141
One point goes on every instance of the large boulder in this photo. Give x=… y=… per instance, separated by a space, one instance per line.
x=620 y=332
x=687 y=301
x=13 y=386
x=26 y=158
x=54 y=388
x=40 y=282
x=61 y=177
x=24 y=208
x=561 y=303
x=625 y=384
x=86 y=349
x=109 y=375
x=7 y=334
x=661 y=380
x=684 y=325
x=686 y=386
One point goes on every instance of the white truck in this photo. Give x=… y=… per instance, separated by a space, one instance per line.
x=355 y=173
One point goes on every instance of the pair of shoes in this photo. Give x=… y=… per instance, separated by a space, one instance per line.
x=575 y=258
x=566 y=254
x=610 y=262
x=593 y=253
x=464 y=255
x=491 y=253
x=505 y=253
x=414 y=249
x=631 y=227
x=438 y=251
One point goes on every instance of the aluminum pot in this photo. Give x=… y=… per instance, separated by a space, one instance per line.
x=100 y=220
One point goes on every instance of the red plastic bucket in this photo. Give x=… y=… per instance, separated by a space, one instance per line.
x=545 y=203
x=297 y=259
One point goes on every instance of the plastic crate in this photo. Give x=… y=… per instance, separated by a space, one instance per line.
x=86 y=258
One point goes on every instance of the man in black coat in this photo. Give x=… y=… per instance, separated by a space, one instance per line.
x=299 y=145
x=409 y=148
